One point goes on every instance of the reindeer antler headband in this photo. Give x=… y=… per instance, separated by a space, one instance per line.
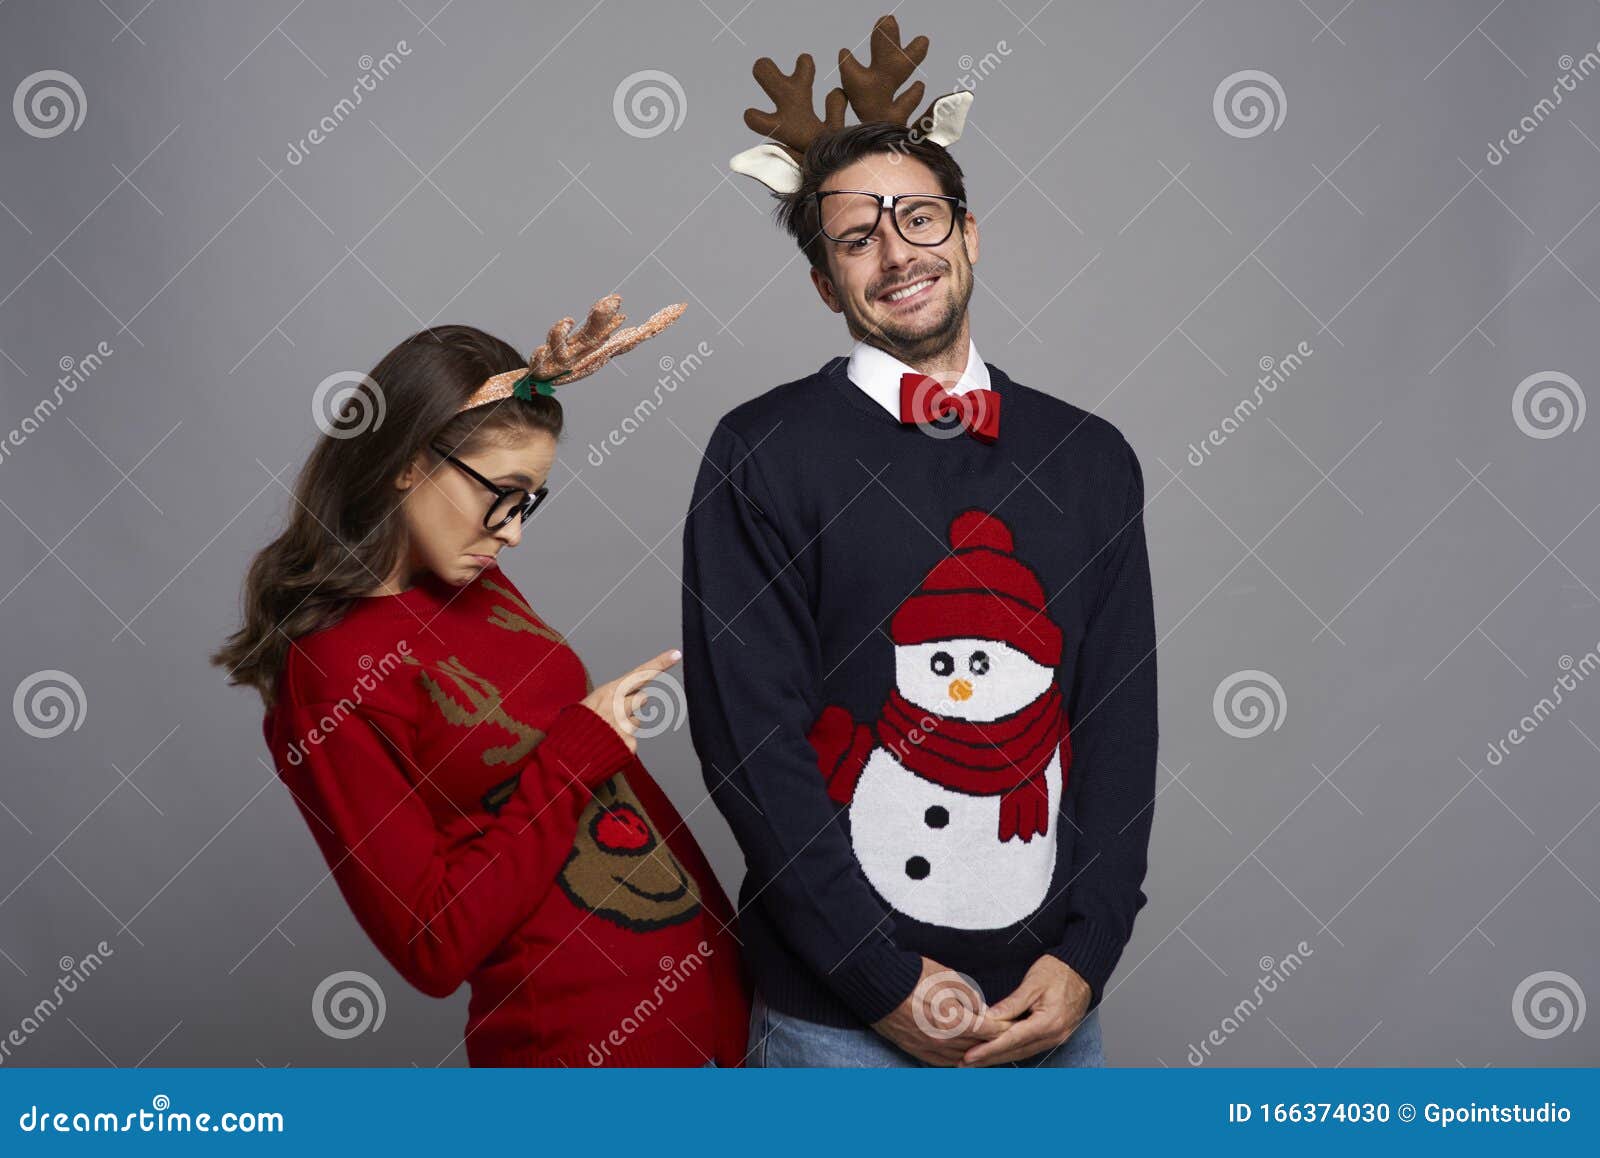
x=565 y=357
x=868 y=88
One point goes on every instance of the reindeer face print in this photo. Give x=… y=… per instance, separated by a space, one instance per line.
x=969 y=679
x=619 y=867
x=621 y=870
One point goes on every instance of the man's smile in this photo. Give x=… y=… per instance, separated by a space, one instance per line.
x=909 y=292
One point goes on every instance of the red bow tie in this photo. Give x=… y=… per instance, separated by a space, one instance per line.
x=923 y=400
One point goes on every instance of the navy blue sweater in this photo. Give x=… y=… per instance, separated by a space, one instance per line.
x=846 y=576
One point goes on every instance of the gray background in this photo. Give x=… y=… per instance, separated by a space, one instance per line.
x=1382 y=536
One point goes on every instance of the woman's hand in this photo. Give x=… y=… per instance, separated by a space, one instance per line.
x=617 y=701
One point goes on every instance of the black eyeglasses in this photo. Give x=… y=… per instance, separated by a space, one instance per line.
x=850 y=216
x=509 y=502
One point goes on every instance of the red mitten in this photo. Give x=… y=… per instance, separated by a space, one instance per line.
x=842 y=747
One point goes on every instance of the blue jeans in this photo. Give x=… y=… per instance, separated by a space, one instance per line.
x=777 y=1039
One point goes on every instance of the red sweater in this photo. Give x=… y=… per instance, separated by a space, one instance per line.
x=485 y=826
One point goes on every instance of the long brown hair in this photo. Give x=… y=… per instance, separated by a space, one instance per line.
x=339 y=541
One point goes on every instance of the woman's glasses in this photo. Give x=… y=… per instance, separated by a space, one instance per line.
x=509 y=502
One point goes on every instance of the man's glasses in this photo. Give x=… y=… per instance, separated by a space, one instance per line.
x=850 y=216
x=509 y=502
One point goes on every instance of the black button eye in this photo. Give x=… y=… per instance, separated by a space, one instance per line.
x=942 y=663
x=979 y=663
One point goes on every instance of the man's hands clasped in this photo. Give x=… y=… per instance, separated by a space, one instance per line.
x=945 y=1022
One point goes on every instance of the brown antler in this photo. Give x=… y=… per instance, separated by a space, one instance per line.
x=624 y=340
x=570 y=356
x=871 y=87
x=563 y=350
x=793 y=123
x=566 y=356
x=867 y=88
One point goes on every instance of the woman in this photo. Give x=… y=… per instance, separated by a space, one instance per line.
x=479 y=801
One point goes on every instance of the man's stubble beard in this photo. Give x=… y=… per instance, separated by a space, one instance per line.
x=918 y=345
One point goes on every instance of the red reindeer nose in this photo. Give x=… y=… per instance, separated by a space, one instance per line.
x=622 y=829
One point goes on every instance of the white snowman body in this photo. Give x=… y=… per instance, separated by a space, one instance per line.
x=932 y=852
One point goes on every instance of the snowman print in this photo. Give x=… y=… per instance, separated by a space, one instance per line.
x=954 y=791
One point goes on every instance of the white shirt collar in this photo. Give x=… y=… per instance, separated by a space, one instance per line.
x=878 y=374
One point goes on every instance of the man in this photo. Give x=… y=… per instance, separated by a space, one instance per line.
x=919 y=652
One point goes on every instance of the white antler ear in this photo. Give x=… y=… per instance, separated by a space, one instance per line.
x=771 y=165
x=949 y=117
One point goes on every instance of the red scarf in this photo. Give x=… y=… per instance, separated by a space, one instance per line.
x=1006 y=757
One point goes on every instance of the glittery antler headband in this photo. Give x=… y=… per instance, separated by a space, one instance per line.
x=869 y=89
x=567 y=356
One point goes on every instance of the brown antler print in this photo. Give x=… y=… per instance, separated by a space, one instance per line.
x=525 y=619
x=520 y=616
x=484 y=705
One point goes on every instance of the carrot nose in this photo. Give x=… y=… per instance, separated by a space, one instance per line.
x=960 y=690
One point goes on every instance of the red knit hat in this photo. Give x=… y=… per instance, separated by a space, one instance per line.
x=981 y=591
